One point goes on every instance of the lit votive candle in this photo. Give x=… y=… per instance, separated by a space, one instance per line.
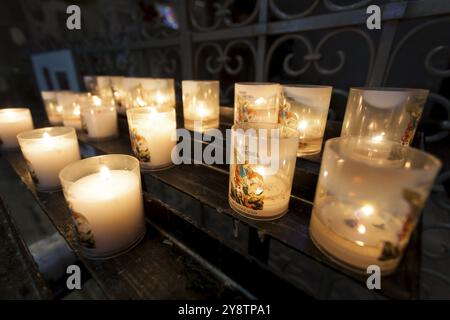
x=365 y=209
x=153 y=136
x=52 y=108
x=305 y=108
x=100 y=119
x=256 y=102
x=105 y=199
x=12 y=122
x=384 y=113
x=70 y=102
x=158 y=92
x=262 y=169
x=201 y=105
x=46 y=152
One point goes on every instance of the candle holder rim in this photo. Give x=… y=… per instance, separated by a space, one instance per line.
x=256 y=84
x=28 y=135
x=307 y=86
x=390 y=89
x=18 y=109
x=143 y=110
x=294 y=134
x=430 y=158
x=202 y=81
x=64 y=171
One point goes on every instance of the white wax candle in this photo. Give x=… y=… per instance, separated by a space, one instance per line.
x=108 y=210
x=12 y=122
x=100 y=122
x=47 y=156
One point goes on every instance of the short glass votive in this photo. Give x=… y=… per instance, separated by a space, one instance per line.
x=367 y=203
x=256 y=102
x=99 y=119
x=52 y=108
x=46 y=152
x=262 y=168
x=384 y=113
x=152 y=136
x=305 y=108
x=12 y=122
x=70 y=102
x=201 y=105
x=105 y=198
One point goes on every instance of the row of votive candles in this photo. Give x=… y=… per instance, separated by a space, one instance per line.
x=352 y=220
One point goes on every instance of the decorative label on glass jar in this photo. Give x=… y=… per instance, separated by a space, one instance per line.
x=139 y=146
x=85 y=234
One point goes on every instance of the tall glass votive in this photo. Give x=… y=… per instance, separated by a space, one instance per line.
x=262 y=168
x=105 y=198
x=99 y=118
x=367 y=203
x=256 y=102
x=305 y=108
x=384 y=113
x=70 y=102
x=201 y=105
x=12 y=122
x=46 y=152
x=52 y=108
x=153 y=136
x=158 y=92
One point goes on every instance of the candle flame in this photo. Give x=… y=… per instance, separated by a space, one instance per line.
x=97 y=101
x=201 y=110
x=378 y=138
x=140 y=102
x=260 y=101
x=159 y=97
x=59 y=109
x=367 y=210
x=77 y=111
x=46 y=136
x=303 y=125
x=105 y=173
x=362 y=229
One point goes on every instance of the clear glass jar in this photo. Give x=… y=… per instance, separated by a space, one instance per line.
x=52 y=108
x=262 y=168
x=305 y=108
x=384 y=113
x=200 y=105
x=368 y=200
x=256 y=102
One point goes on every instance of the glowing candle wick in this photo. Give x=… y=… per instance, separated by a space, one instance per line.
x=105 y=173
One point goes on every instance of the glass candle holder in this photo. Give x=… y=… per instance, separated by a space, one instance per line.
x=159 y=93
x=201 y=105
x=52 y=108
x=105 y=198
x=261 y=169
x=384 y=113
x=256 y=102
x=70 y=102
x=99 y=119
x=12 y=122
x=305 y=108
x=46 y=152
x=152 y=136
x=367 y=203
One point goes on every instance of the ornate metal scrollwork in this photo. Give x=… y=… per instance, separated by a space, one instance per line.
x=313 y=56
x=330 y=5
x=429 y=65
x=222 y=13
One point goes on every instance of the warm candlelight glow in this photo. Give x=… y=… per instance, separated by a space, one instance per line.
x=105 y=173
x=12 y=122
x=97 y=101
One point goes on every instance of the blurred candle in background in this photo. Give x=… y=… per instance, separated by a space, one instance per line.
x=12 y=122
x=99 y=118
x=52 y=108
x=201 y=104
x=46 y=152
